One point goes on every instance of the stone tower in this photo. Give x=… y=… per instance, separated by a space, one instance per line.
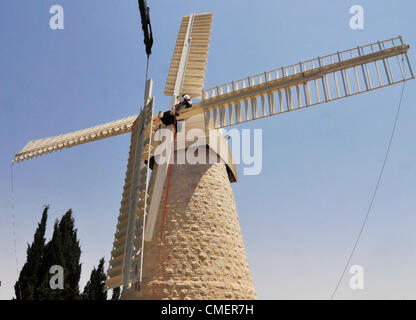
x=200 y=254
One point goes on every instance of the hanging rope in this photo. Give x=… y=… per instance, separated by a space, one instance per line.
x=374 y=194
x=14 y=225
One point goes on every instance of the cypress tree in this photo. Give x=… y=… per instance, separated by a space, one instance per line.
x=26 y=286
x=63 y=250
x=95 y=287
x=116 y=294
x=72 y=254
x=53 y=256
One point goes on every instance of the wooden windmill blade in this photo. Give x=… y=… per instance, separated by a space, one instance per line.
x=316 y=81
x=43 y=146
x=186 y=75
x=125 y=266
x=189 y=60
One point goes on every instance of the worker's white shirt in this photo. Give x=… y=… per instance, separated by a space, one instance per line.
x=183 y=100
x=186 y=98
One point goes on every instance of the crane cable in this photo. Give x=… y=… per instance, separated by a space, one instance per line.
x=374 y=193
x=14 y=225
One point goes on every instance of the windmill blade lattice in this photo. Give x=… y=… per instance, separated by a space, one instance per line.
x=324 y=79
x=43 y=146
x=127 y=254
x=189 y=60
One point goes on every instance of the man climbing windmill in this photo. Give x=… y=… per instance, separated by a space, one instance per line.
x=186 y=102
x=168 y=117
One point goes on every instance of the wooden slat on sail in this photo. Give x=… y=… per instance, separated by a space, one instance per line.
x=197 y=28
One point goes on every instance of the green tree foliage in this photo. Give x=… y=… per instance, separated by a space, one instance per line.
x=63 y=250
x=116 y=294
x=95 y=287
x=27 y=284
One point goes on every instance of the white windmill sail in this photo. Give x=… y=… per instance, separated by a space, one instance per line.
x=189 y=60
x=46 y=145
x=186 y=75
x=307 y=83
x=127 y=254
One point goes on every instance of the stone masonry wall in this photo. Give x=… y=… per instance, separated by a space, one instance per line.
x=202 y=255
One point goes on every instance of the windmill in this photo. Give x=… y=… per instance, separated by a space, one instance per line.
x=196 y=251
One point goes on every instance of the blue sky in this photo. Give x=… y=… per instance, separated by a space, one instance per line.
x=299 y=217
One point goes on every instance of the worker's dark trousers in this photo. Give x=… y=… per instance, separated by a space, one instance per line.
x=169 y=119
